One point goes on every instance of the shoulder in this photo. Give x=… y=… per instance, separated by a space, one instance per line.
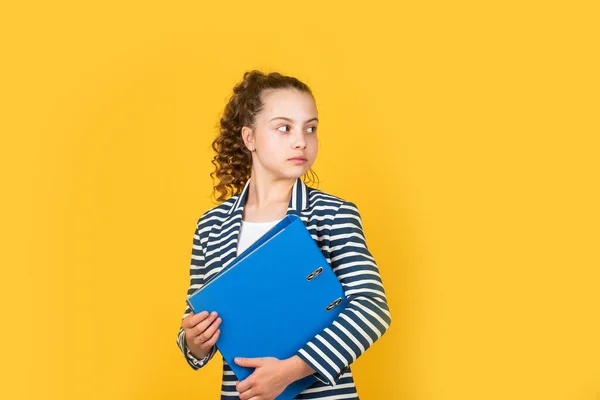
x=216 y=214
x=322 y=202
x=319 y=197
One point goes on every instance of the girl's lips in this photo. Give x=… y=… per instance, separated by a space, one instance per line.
x=298 y=160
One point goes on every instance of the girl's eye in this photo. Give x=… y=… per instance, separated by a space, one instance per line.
x=282 y=126
x=314 y=129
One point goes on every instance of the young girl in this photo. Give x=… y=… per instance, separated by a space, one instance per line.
x=267 y=142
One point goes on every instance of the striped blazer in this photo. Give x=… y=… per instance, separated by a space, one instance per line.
x=335 y=225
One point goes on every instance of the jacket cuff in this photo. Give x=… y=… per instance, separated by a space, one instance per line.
x=326 y=373
x=194 y=362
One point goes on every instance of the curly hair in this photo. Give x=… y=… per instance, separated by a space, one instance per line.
x=233 y=161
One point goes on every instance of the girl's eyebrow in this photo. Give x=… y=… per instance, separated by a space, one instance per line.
x=291 y=120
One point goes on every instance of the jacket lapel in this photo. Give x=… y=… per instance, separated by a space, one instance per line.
x=298 y=203
x=299 y=199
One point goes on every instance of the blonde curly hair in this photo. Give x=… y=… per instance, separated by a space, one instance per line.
x=233 y=160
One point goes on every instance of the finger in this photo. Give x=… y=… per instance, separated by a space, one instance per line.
x=210 y=331
x=201 y=327
x=193 y=319
x=217 y=321
x=245 y=385
x=202 y=337
x=247 y=395
x=207 y=334
x=211 y=342
x=249 y=362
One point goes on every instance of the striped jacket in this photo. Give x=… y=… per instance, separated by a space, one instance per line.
x=336 y=227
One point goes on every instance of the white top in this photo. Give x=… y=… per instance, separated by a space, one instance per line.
x=250 y=232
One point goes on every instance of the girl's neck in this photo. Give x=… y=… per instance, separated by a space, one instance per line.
x=267 y=200
x=265 y=193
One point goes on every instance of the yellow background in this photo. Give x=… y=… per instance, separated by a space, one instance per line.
x=466 y=132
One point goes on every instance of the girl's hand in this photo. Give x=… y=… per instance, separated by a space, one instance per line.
x=201 y=332
x=270 y=377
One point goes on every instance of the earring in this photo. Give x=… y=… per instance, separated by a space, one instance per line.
x=251 y=148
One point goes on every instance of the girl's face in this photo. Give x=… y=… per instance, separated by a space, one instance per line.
x=285 y=134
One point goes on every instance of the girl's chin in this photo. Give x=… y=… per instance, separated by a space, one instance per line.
x=290 y=173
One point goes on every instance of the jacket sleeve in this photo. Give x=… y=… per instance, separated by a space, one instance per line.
x=366 y=317
x=197 y=273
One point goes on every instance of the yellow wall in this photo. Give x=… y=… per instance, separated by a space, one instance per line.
x=466 y=132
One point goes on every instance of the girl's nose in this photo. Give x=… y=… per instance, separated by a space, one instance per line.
x=298 y=142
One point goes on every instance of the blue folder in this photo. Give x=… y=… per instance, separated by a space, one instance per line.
x=273 y=298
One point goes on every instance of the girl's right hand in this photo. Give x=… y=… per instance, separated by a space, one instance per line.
x=201 y=332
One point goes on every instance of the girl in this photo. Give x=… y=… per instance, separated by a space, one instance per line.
x=267 y=141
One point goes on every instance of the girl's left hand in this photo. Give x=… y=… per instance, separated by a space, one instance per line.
x=269 y=379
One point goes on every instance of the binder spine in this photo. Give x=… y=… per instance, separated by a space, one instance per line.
x=190 y=304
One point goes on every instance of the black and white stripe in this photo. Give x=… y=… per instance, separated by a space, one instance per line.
x=336 y=227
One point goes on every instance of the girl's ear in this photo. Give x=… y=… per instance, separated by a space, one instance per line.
x=248 y=136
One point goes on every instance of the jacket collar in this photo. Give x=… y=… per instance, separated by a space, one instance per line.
x=298 y=200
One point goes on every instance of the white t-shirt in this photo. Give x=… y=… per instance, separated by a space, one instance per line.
x=250 y=232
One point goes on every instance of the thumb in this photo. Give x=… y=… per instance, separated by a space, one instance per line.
x=249 y=362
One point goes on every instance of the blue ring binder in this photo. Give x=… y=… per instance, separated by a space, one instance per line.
x=273 y=299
